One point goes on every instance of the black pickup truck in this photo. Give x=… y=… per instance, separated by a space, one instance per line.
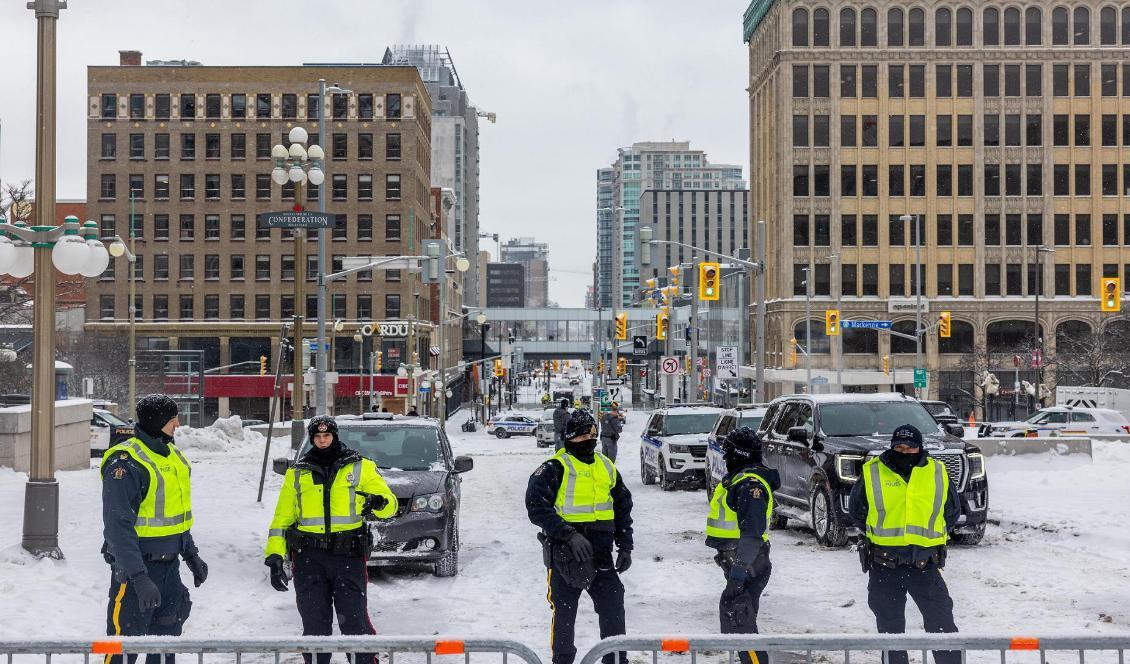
x=818 y=444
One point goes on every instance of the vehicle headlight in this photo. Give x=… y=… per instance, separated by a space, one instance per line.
x=432 y=502
x=680 y=449
x=976 y=465
x=848 y=466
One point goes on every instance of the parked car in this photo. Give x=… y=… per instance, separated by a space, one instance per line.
x=106 y=431
x=505 y=426
x=251 y=423
x=544 y=433
x=744 y=415
x=1060 y=421
x=819 y=443
x=673 y=447
x=415 y=458
x=941 y=411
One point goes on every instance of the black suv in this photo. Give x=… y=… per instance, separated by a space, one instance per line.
x=818 y=444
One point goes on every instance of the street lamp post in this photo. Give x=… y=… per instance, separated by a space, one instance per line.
x=807 y=329
x=917 y=219
x=117 y=250
x=1039 y=286
x=298 y=165
x=461 y=266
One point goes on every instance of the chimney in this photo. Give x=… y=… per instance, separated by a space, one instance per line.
x=129 y=58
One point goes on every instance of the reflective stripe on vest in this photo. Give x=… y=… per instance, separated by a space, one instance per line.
x=156 y=517
x=593 y=482
x=312 y=518
x=903 y=513
x=722 y=522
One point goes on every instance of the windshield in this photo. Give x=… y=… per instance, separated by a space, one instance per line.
x=674 y=425
x=404 y=448
x=938 y=408
x=753 y=421
x=866 y=419
x=114 y=420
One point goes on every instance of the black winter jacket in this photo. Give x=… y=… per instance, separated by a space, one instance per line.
x=749 y=502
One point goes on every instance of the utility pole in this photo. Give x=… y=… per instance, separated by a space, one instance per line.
x=837 y=274
x=808 y=330
x=759 y=371
x=692 y=341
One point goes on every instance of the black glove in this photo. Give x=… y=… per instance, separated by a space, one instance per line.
x=199 y=570
x=374 y=503
x=623 y=560
x=279 y=579
x=148 y=596
x=581 y=548
x=733 y=590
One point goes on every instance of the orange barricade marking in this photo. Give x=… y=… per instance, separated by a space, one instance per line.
x=449 y=648
x=1024 y=643
x=106 y=647
x=676 y=645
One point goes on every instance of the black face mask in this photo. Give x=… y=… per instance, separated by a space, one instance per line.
x=904 y=461
x=582 y=449
x=734 y=462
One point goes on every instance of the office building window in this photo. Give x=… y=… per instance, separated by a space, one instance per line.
x=392 y=187
x=992 y=230
x=237 y=267
x=187 y=267
x=869 y=81
x=896 y=273
x=848 y=124
x=896 y=81
x=187 y=106
x=848 y=180
x=945 y=279
x=160 y=227
x=993 y=279
x=847 y=81
x=1083 y=279
x=1083 y=230
x=365 y=146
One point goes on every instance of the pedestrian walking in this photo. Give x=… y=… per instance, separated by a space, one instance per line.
x=738 y=528
x=319 y=524
x=906 y=505
x=560 y=419
x=584 y=510
x=611 y=426
x=147 y=523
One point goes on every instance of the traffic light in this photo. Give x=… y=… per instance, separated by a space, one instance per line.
x=377 y=368
x=661 y=325
x=708 y=275
x=1111 y=293
x=415 y=359
x=556 y=366
x=831 y=322
x=621 y=366
x=945 y=326
x=674 y=275
x=792 y=351
x=887 y=364
x=650 y=284
x=621 y=327
x=600 y=367
x=498 y=370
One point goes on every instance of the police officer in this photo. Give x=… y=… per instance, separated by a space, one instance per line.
x=611 y=426
x=905 y=504
x=319 y=522
x=581 y=504
x=560 y=419
x=738 y=527
x=147 y=521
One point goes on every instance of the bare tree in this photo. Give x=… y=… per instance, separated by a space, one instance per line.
x=1095 y=359
x=105 y=359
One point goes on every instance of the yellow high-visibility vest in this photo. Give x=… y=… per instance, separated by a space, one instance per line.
x=166 y=508
x=722 y=522
x=585 y=494
x=901 y=513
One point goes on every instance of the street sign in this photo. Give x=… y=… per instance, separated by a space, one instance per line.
x=726 y=362
x=613 y=381
x=296 y=219
x=639 y=345
x=867 y=324
x=920 y=378
x=670 y=366
x=820 y=380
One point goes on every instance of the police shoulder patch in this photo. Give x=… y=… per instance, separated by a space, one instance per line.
x=756 y=491
x=119 y=473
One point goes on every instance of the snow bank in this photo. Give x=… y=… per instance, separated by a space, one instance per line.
x=225 y=433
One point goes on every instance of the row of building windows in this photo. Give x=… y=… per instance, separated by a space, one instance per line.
x=187 y=191
x=1012 y=230
x=187 y=106
x=263 y=267
x=189 y=229
x=237 y=146
x=1007 y=27
x=997 y=80
x=265 y=307
x=863 y=280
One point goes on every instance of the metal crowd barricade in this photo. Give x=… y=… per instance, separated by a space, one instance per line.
x=263 y=649
x=818 y=648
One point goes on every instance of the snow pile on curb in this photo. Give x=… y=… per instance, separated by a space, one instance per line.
x=225 y=433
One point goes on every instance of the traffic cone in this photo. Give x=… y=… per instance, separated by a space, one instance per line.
x=972 y=420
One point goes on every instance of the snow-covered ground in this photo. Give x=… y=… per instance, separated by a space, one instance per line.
x=1055 y=559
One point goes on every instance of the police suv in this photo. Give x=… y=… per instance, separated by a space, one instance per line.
x=673 y=446
x=504 y=426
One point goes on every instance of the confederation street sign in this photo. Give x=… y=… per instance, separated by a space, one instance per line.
x=296 y=219
x=867 y=324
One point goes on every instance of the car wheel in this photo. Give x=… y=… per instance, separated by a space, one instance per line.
x=645 y=472
x=971 y=539
x=665 y=481
x=502 y=433
x=826 y=523
x=448 y=565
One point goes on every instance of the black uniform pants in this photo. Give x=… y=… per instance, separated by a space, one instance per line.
x=739 y=615
x=325 y=584
x=607 y=593
x=124 y=616
x=887 y=589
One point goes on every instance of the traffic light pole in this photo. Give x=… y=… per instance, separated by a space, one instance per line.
x=692 y=338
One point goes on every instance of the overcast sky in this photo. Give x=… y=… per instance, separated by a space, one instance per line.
x=570 y=82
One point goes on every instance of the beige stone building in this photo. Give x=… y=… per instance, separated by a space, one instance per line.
x=1004 y=127
x=192 y=144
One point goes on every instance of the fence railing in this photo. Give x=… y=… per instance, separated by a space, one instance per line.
x=263 y=649
x=812 y=648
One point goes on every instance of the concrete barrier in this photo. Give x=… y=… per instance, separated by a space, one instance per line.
x=72 y=435
x=1018 y=446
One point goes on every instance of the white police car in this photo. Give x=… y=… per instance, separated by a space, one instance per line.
x=747 y=415
x=505 y=426
x=673 y=447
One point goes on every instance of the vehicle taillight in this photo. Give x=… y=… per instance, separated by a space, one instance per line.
x=1126 y=427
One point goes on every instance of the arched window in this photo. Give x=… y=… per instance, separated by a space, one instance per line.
x=1082 y=25
x=847 y=27
x=860 y=341
x=894 y=27
x=1069 y=334
x=899 y=344
x=820 y=344
x=991 y=27
x=960 y=339
x=1125 y=26
x=820 y=27
x=1059 y=26
x=1108 y=26
x=942 y=24
x=964 y=23
x=1009 y=336
x=868 y=27
x=1033 y=26
x=1012 y=27
x=800 y=27
x=917 y=32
